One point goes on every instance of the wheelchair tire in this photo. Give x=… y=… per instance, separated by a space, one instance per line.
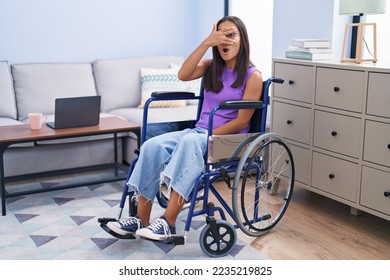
x=162 y=199
x=263 y=184
x=133 y=206
x=220 y=244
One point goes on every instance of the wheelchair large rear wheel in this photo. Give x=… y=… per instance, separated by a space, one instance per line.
x=263 y=184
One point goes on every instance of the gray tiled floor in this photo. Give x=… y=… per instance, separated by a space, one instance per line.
x=63 y=225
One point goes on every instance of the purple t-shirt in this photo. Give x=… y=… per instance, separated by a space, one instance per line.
x=212 y=100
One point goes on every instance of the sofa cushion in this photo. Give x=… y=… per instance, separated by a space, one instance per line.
x=8 y=121
x=37 y=85
x=118 y=80
x=7 y=96
x=156 y=79
x=155 y=115
x=190 y=86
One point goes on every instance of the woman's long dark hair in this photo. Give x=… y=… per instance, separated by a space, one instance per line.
x=211 y=78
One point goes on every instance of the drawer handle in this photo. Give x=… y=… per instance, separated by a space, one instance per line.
x=336 y=89
x=331 y=176
x=334 y=133
x=289 y=122
x=290 y=82
x=386 y=194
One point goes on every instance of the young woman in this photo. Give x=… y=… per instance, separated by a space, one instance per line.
x=177 y=158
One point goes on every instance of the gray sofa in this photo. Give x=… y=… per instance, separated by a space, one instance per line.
x=33 y=87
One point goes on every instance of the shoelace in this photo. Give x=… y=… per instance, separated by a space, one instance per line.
x=160 y=223
x=129 y=221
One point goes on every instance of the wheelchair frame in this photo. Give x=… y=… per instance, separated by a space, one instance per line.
x=259 y=164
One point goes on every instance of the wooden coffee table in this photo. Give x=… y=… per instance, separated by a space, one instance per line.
x=15 y=134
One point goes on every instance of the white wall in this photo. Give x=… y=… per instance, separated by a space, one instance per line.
x=339 y=22
x=257 y=16
x=301 y=19
x=273 y=24
x=383 y=39
x=84 y=30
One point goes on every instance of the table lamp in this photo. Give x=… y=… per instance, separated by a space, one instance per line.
x=358 y=8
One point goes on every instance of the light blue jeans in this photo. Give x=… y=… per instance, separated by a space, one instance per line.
x=175 y=158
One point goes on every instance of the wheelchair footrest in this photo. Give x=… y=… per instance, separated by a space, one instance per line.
x=103 y=224
x=105 y=220
x=173 y=240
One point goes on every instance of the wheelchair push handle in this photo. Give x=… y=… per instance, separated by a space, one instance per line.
x=277 y=80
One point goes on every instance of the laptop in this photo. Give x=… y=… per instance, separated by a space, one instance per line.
x=76 y=112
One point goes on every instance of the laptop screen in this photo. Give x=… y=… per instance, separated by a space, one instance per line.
x=76 y=111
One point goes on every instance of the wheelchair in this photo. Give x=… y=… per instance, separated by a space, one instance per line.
x=257 y=168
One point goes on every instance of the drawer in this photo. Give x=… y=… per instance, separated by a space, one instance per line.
x=377 y=143
x=293 y=122
x=378 y=98
x=337 y=133
x=375 y=187
x=335 y=176
x=301 y=158
x=298 y=82
x=341 y=89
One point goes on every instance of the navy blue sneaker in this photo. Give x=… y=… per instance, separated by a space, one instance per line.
x=158 y=230
x=125 y=226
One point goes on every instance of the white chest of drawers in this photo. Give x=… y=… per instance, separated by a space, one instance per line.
x=336 y=118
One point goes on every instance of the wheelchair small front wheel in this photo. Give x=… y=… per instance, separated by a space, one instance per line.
x=263 y=184
x=218 y=241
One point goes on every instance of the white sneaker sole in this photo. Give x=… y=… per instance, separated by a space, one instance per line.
x=116 y=229
x=147 y=233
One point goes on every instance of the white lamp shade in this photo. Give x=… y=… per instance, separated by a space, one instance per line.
x=356 y=7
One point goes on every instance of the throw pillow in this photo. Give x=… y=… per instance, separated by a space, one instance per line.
x=191 y=86
x=160 y=80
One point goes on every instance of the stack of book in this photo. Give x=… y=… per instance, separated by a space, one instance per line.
x=310 y=49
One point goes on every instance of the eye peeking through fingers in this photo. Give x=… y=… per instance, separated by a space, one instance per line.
x=231 y=35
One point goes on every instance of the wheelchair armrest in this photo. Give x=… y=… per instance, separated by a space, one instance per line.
x=241 y=104
x=163 y=96
x=173 y=94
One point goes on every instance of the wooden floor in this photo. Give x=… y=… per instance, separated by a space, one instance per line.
x=317 y=228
